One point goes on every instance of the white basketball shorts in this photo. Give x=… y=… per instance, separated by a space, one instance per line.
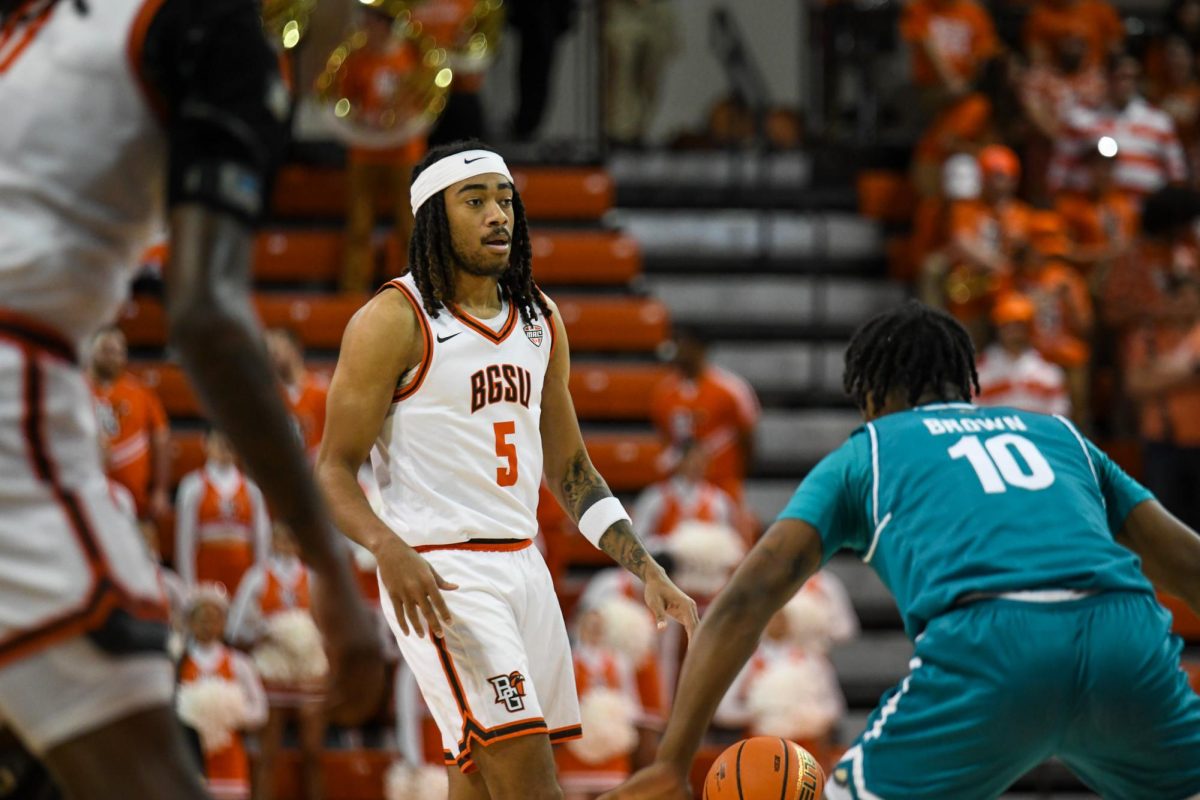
x=69 y=560
x=504 y=667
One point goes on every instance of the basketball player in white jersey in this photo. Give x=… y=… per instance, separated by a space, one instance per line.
x=454 y=380
x=112 y=111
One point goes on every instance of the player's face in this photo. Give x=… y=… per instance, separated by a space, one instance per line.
x=480 y=211
x=208 y=622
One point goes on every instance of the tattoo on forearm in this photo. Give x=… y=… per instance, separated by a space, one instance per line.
x=581 y=487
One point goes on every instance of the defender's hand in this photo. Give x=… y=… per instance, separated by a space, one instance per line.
x=656 y=782
x=665 y=599
x=415 y=588
x=355 y=651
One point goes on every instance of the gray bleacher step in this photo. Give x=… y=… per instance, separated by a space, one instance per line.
x=801 y=437
x=722 y=235
x=749 y=307
x=784 y=367
x=869 y=665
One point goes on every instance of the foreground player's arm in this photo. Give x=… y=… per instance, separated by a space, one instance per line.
x=211 y=71
x=380 y=344
x=578 y=486
x=1169 y=549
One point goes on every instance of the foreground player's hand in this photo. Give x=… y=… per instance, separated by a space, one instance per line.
x=415 y=588
x=656 y=782
x=665 y=599
x=355 y=651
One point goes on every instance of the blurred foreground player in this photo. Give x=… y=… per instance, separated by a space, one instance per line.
x=1013 y=547
x=453 y=379
x=111 y=111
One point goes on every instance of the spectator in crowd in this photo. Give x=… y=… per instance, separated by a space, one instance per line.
x=640 y=36
x=1182 y=18
x=983 y=236
x=1051 y=21
x=272 y=618
x=704 y=403
x=950 y=40
x=303 y=391
x=963 y=126
x=961 y=180
x=613 y=696
x=1149 y=154
x=373 y=79
x=1063 y=323
x=1012 y=372
x=218 y=689
x=133 y=419
x=1102 y=222
x=446 y=22
x=1177 y=92
x=686 y=495
x=539 y=24
x=221 y=523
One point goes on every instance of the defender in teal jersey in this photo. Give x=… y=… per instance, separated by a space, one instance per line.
x=1021 y=559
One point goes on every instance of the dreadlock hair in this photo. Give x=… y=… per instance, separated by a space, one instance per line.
x=431 y=254
x=912 y=348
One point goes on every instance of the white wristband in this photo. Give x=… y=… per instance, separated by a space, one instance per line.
x=599 y=517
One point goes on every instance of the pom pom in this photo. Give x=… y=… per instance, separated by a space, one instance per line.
x=406 y=781
x=628 y=628
x=792 y=699
x=810 y=621
x=706 y=554
x=291 y=653
x=608 y=731
x=213 y=706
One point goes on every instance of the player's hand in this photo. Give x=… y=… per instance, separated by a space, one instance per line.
x=352 y=643
x=415 y=588
x=656 y=782
x=665 y=599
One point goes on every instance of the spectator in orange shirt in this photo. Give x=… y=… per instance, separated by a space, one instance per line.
x=1177 y=92
x=1101 y=222
x=1162 y=368
x=984 y=234
x=303 y=391
x=1052 y=20
x=373 y=78
x=950 y=40
x=133 y=419
x=221 y=527
x=711 y=405
x=1012 y=372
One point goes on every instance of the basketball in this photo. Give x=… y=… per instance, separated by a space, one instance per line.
x=765 y=768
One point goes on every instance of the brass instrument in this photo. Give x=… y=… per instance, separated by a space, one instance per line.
x=286 y=21
x=469 y=30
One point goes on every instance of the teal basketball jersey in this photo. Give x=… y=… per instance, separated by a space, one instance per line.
x=951 y=499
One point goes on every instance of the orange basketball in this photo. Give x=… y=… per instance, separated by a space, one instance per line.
x=765 y=768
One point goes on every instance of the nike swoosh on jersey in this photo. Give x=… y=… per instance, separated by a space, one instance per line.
x=447 y=338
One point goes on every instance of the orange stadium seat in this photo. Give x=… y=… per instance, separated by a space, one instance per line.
x=549 y=193
x=593 y=258
x=617 y=324
x=187 y=453
x=171 y=386
x=615 y=391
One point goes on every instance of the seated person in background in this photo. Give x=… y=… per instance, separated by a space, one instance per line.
x=304 y=391
x=1062 y=326
x=621 y=700
x=686 y=495
x=1012 y=372
x=984 y=234
x=1177 y=92
x=703 y=403
x=1051 y=21
x=786 y=689
x=272 y=617
x=220 y=695
x=1102 y=221
x=221 y=523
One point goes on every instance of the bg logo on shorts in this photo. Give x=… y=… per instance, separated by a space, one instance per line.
x=510 y=690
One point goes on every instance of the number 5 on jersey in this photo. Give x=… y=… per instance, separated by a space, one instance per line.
x=507 y=474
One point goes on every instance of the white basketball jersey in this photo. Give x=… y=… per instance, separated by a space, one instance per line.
x=82 y=162
x=460 y=453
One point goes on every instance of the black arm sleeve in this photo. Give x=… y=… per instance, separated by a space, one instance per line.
x=224 y=105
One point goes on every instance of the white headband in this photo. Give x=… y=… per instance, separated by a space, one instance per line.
x=452 y=169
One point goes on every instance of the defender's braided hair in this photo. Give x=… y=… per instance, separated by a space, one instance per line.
x=431 y=254
x=912 y=348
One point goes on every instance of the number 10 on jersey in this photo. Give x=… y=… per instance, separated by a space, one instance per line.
x=997 y=468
